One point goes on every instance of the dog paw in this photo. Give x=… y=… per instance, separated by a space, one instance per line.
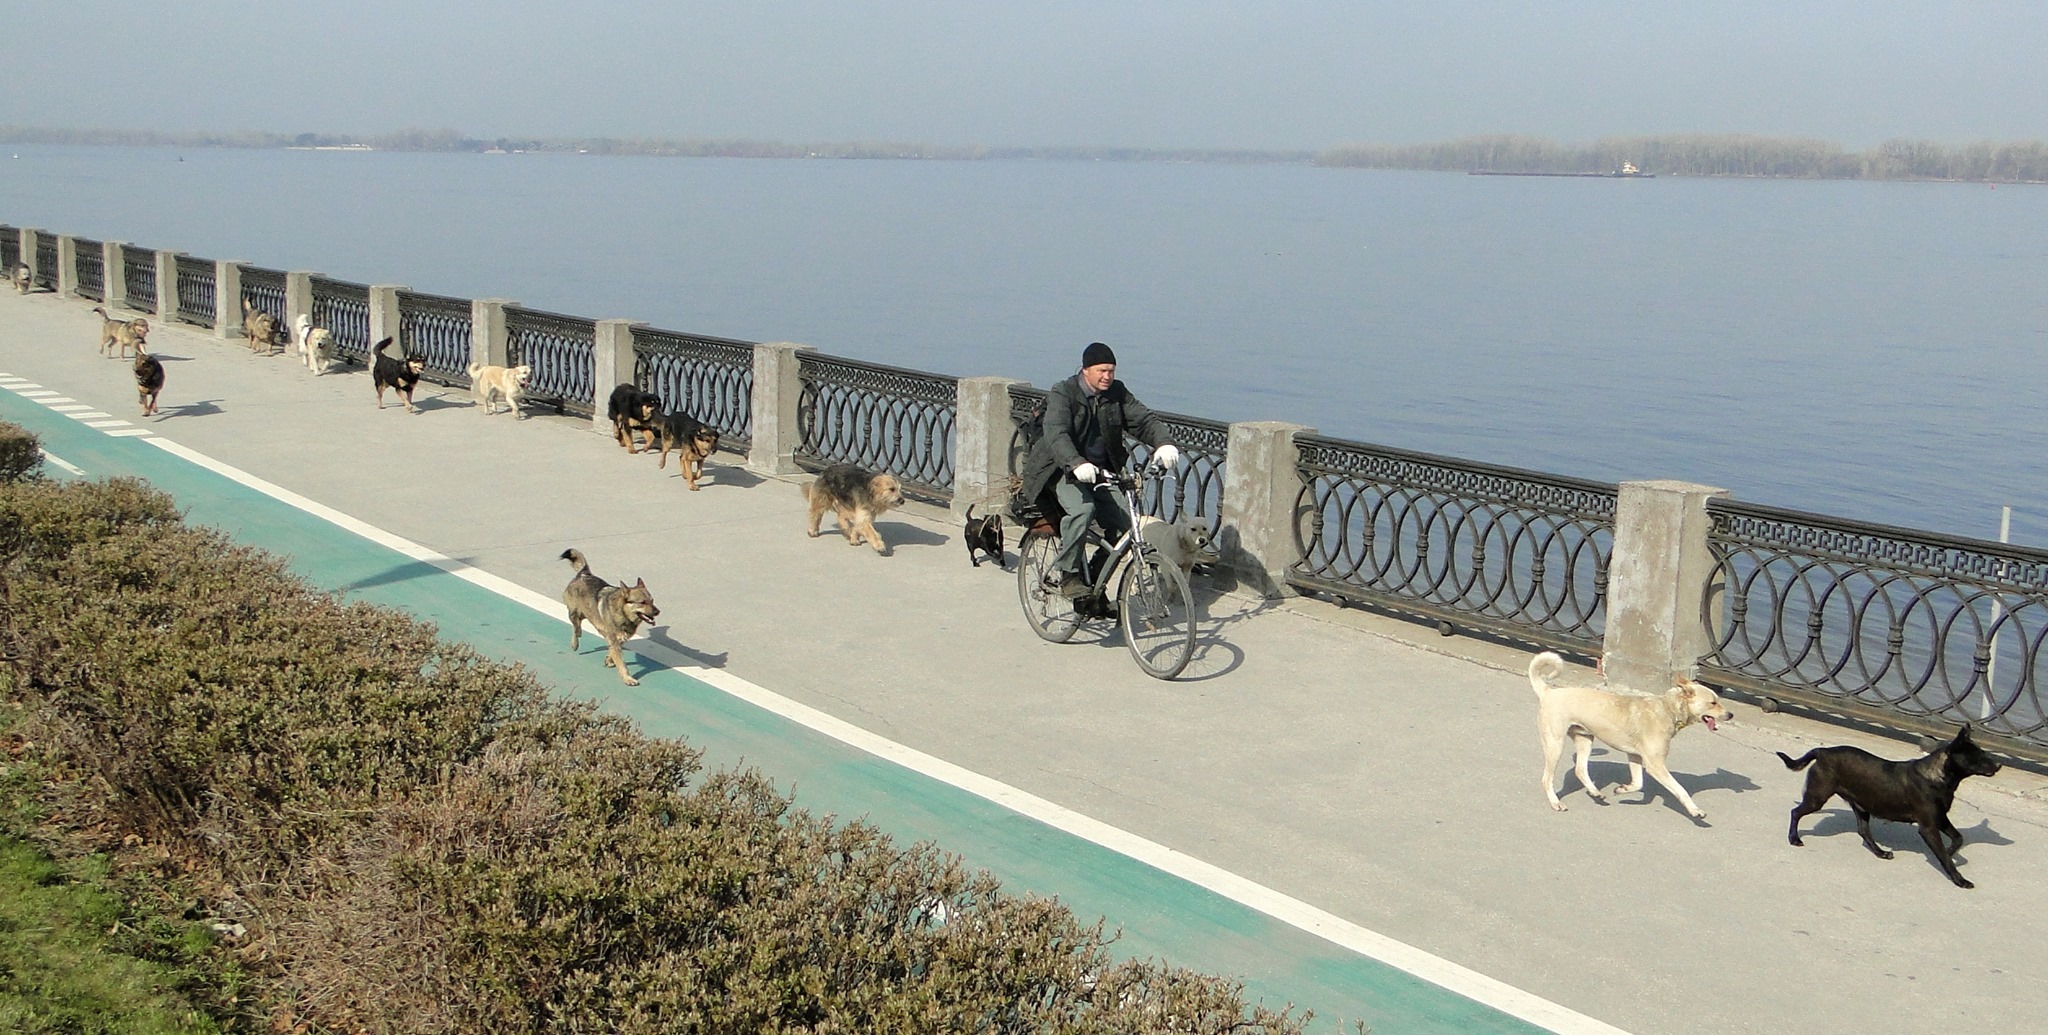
x=630 y=681
x=1558 y=806
x=1884 y=854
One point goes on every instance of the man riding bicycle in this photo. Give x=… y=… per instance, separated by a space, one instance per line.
x=1087 y=417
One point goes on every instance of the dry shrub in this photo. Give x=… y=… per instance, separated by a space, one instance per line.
x=21 y=454
x=419 y=839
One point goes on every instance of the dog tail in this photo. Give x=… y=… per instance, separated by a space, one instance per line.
x=575 y=557
x=1542 y=668
x=806 y=487
x=378 y=348
x=1796 y=764
x=970 y=512
x=474 y=369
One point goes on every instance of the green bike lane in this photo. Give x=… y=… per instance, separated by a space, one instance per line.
x=1167 y=905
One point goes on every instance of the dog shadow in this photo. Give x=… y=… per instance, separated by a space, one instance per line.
x=438 y=402
x=202 y=408
x=1899 y=837
x=732 y=475
x=660 y=637
x=1653 y=792
x=162 y=358
x=896 y=534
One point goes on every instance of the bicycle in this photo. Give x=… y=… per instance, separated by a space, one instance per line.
x=1153 y=605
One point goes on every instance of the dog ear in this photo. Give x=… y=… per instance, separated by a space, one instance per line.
x=1963 y=735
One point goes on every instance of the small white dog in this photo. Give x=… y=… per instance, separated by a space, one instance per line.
x=488 y=382
x=312 y=344
x=1638 y=725
x=1184 y=543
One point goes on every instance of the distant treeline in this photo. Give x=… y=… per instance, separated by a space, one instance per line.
x=1677 y=155
x=1711 y=155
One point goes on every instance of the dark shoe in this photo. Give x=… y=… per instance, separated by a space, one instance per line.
x=1072 y=585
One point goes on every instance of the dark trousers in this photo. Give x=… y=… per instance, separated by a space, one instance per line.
x=1083 y=503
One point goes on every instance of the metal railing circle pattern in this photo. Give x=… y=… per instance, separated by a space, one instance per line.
x=711 y=379
x=436 y=328
x=562 y=352
x=881 y=418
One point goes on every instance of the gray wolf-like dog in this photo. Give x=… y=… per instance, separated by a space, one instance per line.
x=614 y=612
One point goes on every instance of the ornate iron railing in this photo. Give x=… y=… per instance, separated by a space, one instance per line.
x=264 y=289
x=1196 y=490
x=881 y=418
x=1912 y=628
x=344 y=309
x=89 y=268
x=1506 y=551
x=562 y=351
x=436 y=328
x=195 y=291
x=711 y=379
x=46 y=262
x=138 y=276
x=10 y=248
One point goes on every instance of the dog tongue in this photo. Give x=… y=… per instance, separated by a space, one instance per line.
x=1709 y=720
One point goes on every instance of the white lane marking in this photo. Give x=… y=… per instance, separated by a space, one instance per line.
x=60 y=462
x=1471 y=984
x=89 y=414
x=115 y=423
x=40 y=394
x=129 y=432
x=68 y=408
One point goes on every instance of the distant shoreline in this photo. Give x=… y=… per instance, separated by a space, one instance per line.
x=1687 y=155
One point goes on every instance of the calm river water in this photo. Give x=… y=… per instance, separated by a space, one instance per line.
x=1870 y=350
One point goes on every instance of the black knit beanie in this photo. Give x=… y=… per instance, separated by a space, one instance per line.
x=1097 y=353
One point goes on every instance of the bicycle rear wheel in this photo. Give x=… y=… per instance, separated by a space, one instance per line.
x=1158 y=616
x=1050 y=615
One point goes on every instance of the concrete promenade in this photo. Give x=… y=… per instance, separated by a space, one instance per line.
x=1363 y=766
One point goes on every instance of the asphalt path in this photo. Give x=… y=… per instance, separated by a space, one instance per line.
x=1341 y=809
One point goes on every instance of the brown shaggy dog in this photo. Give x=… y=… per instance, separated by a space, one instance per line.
x=615 y=612
x=260 y=328
x=123 y=334
x=855 y=496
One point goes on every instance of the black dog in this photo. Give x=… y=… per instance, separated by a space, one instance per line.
x=398 y=374
x=984 y=534
x=1919 y=791
x=632 y=413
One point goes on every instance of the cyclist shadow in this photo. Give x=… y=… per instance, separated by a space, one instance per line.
x=1213 y=655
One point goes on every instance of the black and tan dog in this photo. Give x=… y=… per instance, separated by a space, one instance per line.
x=692 y=439
x=397 y=374
x=149 y=379
x=614 y=612
x=260 y=328
x=633 y=413
x=124 y=335
x=984 y=534
x=855 y=496
x=1917 y=791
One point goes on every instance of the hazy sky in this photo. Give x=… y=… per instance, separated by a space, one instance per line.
x=1146 y=73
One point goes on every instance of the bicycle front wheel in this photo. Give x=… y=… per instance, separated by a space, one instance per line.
x=1050 y=615
x=1158 y=616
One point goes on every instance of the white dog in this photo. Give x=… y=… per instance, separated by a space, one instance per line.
x=1184 y=543
x=312 y=344
x=488 y=382
x=1638 y=725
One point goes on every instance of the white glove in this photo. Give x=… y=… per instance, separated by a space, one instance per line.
x=1085 y=473
x=1166 y=455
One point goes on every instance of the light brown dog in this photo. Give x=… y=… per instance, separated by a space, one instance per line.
x=125 y=335
x=855 y=496
x=615 y=612
x=19 y=275
x=488 y=382
x=260 y=328
x=1640 y=726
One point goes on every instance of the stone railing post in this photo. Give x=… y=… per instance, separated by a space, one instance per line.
x=1261 y=488
x=612 y=364
x=227 y=298
x=298 y=296
x=29 y=237
x=384 y=320
x=489 y=335
x=778 y=388
x=67 y=266
x=167 y=285
x=1656 y=583
x=981 y=464
x=113 y=275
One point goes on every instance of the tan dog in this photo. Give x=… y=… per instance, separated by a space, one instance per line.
x=855 y=496
x=1638 y=725
x=315 y=345
x=126 y=335
x=260 y=328
x=488 y=382
x=615 y=612
x=1183 y=544
x=19 y=275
